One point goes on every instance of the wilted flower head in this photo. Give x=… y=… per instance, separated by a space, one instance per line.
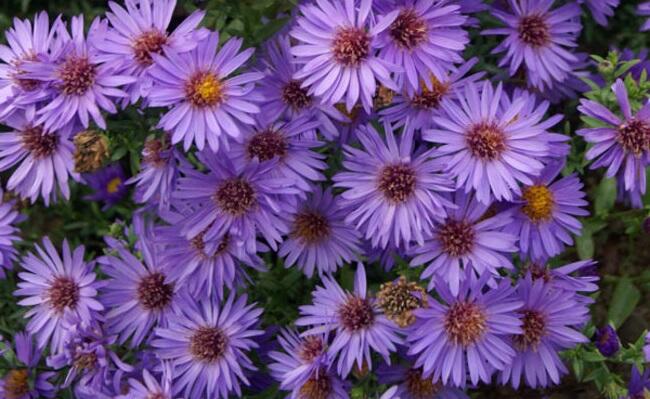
x=91 y=150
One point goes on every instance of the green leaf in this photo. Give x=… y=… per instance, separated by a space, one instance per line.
x=626 y=297
x=605 y=196
x=585 y=245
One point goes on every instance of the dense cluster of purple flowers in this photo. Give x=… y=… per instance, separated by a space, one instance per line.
x=458 y=176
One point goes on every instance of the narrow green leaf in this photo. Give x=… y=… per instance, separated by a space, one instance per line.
x=626 y=297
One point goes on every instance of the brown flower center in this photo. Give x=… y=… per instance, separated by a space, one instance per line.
x=486 y=141
x=399 y=299
x=63 y=293
x=204 y=89
x=16 y=384
x=311 y=227
x=634 y=137
x=198 y=244
x=351 y=46
x=318 y=386
x=78 y=75
x=266 y=145
x=456 y=237
x=534 y=30
x=18 y=73
x=430 y=99
x=235 y=196
x=539 y=203
x=534 y=329
x=408 y=30
x=154 y=293
x=153 y=149
x=538 y=272
x=356 y=313
x=146 y=44
x=39 y=143
x=295 y=96
x=312 y=347
x=85 y=360
x=208 y=344
x=419 y=387
x=465 y=323
x=397 y=182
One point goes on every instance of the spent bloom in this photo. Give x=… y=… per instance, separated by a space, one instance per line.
x=26 y=381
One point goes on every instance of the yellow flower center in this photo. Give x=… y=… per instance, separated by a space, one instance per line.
x=114 y=185
x=204 y=89
x=539 y=203
x=16 y=385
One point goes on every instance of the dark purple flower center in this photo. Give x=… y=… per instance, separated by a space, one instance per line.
x=312 y=347
x=534 y=329
x=146 y=44
x=534 y=30
x=16 y=384
x=486 y=141
x=430 y=99
x=78 y=75
x=39 y=143
x=198 y=243
x=351 y=46
x=208 y=344
x=266 y=145
x=408 y=30
x=539 y=203
x=397 y=182
x=63 y=293
x=634 y=137
x=398 y=300
x=295 y=96
x=465 y=323
x=539 y=272
x=356 y=313
x=204 y=89
x=419 y=387
x=85 y=360
x=318 y=386
x=311 y=227
x=456 y=237
x=154 y=293
x=235 y=196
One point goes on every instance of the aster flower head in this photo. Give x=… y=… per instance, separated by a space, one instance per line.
x=426 y=38
x=394 y=192
x=578 y=277
x=466 y=335
x=337 y=52
x=639 y=385
x=56 y=288
x=356 y=320
x=207 y=105
x=538 y=39
x=488 y=147
x=140 y=30
x=79 y=86
x=620 y=144
x=469 y=241
x=42 y=160
x=551 y=323
x=207 y=344
x=545 y=213
x=601 y=10
x=25 y=381
x=9 y=217
x=319 y=238
x=149 y=387
x=606 y=340
x=410 y=383
x=109 y=185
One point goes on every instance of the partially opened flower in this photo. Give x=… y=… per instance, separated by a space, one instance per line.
x=538 y=39
x=394 y=192
x=606 y=340
x=644 y=10
x=207 y=344
x=207 y=105
x=601 y=10
x=27 y=381
x=336 y=48
x=109 y=185
x=9 y=217
x=56 y=288
x=426 y=38
x=356 y=321
x=639 y=385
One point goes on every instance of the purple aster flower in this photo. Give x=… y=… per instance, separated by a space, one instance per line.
x=466 y=334
x=646 y=348
x=576 y=277
x=643 y=9
x=109 y=185
x=606 y=340
x=601 y=9
x=551 y=322
x=206 y=104
x=319 y=237
x=207 y=343
x=78 y=84
x=26 y=382
x=419 y=107
x=149 y=387
x=488 y=147
x=283 y=95
x=639 y=385
x=44 y=160
x=393 y=190
x=204 y=266
x=538 y=39
x=411 y=384
x=545 y=213
x=241 y=201
x=9 y=234
x=26 y=42
x=293 y=143
x=425 y=39
x=337 y=52
x=139 y=294
x=139 y=31
x=356 y=319
x=468 y=240
x=56 y=288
